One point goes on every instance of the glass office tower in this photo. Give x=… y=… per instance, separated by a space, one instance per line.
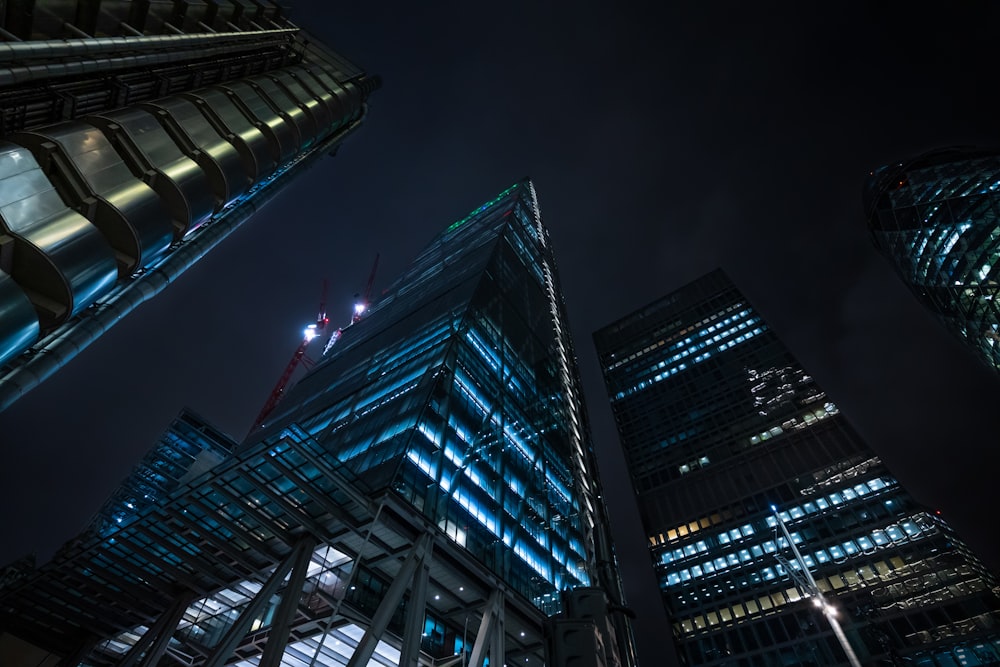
x=134 y=136
x=936 y=217
x=727 y=437
x=427 y=491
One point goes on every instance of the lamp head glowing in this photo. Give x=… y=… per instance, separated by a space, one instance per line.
x=359 y=308
x=310 y=332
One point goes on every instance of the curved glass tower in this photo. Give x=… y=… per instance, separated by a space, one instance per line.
x=935 y=218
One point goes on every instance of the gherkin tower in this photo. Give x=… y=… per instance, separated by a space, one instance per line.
x=936 y=218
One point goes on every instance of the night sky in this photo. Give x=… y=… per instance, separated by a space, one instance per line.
x=663 y=144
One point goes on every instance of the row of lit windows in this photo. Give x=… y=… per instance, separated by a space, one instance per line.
x=865 y=575
x=869 y=543
x=846 y=494
x=809 y=418
x=660 y=343
x=705 y=339
x=967 y=655
x=696 y=464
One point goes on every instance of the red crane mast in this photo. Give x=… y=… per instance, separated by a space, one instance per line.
x=310 y=332
x=361 y=304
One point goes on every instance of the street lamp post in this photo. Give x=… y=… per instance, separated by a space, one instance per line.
x=806 y=581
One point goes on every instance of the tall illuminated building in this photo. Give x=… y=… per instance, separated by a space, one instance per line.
x=428 y=491
x=726 y=436
x=936 y=217
x=134 y=136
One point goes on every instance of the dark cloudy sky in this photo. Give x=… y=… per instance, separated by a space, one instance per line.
x=663 y=143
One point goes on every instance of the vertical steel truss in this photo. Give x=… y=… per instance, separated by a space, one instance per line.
x=298 y=562
x=413 y=630
x=491 y=632
x=417 y=563
x=151 y=646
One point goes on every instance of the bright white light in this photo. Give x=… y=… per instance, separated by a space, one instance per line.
x=359 y=308
x=310 y=332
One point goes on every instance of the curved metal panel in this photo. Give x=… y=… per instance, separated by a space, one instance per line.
x=326 y=109
x=307 y=98
x=154 y=157
x=60 y=259
x=347 y=95
x=203 y=143
x=126 y=210
x=254 y=148
x=281 y=133
x=18 y=322
x=290 y=107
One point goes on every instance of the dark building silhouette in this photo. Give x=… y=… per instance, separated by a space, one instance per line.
x=727 y=437
x=427 y=494
x=134 y=136
x=936 y=217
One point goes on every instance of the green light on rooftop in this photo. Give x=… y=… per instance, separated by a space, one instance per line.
x=482 y=208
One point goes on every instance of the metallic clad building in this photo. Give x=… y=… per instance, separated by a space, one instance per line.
x=429 y=491
x=719 y=424
x=936 y=217
x=134 y=136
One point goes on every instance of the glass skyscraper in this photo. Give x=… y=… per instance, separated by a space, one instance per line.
x=134 y=136
x=936 y=217
x=429 y=490
x=727 y=437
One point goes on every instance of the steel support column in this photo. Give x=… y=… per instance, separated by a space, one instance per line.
x=414 y=628
x=224 y=649
x=150 y=647
x=388 y=605
x=491 y=624
x=283 y=617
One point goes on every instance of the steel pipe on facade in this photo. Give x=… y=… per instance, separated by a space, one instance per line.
x=88 y=48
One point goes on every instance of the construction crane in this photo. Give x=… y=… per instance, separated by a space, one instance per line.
x=308 y=335
x=361 y=303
